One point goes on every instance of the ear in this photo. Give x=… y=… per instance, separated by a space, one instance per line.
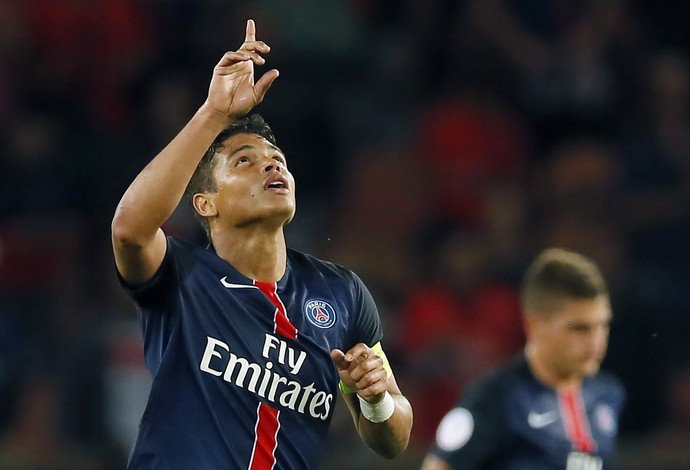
x=530 y=323
x=204 y=205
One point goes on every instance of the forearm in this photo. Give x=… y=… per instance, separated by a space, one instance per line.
x=391 y=437
x=155 y=193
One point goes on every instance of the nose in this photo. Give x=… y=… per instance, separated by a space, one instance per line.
x=272 y=165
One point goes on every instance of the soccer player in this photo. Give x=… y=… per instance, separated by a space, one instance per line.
x=552 y=408
x=249 y=342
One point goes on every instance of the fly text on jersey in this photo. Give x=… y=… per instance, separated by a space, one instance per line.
x=219 y=361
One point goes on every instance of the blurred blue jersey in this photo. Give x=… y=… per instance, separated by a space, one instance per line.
x=511 y=421
x=243 y=377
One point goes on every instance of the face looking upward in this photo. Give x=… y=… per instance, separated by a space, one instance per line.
x=572 y=342
x=253 y=185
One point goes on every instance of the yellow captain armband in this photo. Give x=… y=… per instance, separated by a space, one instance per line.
x=378 y=350
x=345 y=389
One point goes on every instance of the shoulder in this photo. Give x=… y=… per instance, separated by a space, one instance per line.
x=347 y=291
x=184 y=255
x=180 y=245
x=178 y=248
x=609 y=379
x=180 y=259
x=306 y=260
x=501 y=380
x=339 y=279
x=306 y=263
x=607 y=383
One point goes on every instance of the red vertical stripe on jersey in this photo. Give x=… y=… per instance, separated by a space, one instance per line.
x=576 y=422
x=265 y=439
x=283 y=326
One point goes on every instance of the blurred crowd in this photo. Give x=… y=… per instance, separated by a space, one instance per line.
x=437 y=145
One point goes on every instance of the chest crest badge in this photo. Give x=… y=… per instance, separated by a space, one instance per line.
x=605 y=419
x=320 y=313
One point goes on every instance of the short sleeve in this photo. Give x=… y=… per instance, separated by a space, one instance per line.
x=469 y=434
x=153 y=293
x=157 y=300
x=366 y=327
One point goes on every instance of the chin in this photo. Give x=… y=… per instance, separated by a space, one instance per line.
x=591 y=369
x=277 y=213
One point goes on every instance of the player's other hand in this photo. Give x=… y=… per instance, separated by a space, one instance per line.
x=362 y=370
x=233 y=92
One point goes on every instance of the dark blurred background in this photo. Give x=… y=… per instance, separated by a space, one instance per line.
x=438 y=146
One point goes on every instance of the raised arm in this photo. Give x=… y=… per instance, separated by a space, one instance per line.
x=382 y=415
x=138 y=240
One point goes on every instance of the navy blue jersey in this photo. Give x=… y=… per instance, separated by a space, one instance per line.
x=511 y=421
x=243 y=377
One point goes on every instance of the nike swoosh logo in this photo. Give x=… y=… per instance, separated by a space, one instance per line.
x=230 y=285
x=540 y=420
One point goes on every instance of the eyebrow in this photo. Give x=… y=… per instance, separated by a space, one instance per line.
x=252 y=147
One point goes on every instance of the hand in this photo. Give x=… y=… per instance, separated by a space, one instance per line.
x=362 y=370
x=233 y=92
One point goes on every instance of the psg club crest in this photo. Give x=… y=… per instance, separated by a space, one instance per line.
x=605 y=419
x=320 y=313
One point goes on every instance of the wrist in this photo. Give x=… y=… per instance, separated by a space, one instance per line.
x=377 y=412
x=214 y=117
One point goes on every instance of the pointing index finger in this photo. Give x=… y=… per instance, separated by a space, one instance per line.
x=251 y=31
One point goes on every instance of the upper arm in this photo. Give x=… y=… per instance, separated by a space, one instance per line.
x=138 y=261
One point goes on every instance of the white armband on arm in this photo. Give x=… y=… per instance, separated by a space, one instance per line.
x=377 y=412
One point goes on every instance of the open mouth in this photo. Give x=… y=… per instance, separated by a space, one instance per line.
x=276 y=182
x=276 y=185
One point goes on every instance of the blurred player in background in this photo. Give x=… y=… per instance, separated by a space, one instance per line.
x=249 y=342
x=552 y=408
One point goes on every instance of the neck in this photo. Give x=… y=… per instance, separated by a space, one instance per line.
x=540 y=367
x=256 y=253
